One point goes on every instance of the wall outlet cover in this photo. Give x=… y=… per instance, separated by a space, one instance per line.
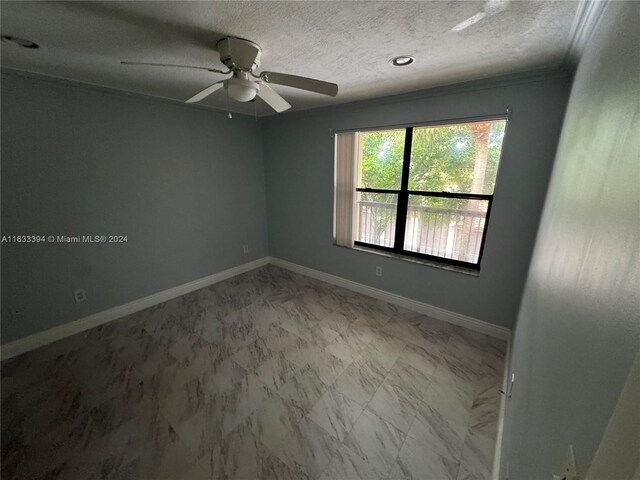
x=80 y=295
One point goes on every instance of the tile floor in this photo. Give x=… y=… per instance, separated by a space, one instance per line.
x=269 y=375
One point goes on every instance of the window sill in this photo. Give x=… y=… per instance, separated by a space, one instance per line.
x=406 y=258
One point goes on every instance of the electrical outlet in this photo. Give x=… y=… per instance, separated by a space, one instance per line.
x=245 y=248
x=80 y=295
x=378 y=271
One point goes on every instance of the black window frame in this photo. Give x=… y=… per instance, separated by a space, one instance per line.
x=403 y=203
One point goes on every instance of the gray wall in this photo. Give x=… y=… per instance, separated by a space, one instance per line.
x=185 y=184
x=579 y=325
x=299 y=156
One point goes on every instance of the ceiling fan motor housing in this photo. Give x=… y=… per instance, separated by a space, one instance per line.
x=239 y=53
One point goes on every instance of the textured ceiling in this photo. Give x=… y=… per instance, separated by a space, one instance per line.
x=349 y=43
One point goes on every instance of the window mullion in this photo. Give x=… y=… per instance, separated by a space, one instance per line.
x=403 y=196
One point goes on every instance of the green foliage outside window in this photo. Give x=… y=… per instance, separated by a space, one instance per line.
x=442 y=158
x=459 y=158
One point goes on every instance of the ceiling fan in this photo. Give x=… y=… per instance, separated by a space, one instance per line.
x=242 y=57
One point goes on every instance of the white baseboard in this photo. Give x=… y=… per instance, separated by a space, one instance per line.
x=40 y=339
x=497 y=453
x=414 y=305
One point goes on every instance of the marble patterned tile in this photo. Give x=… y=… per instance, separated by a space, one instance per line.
x=468 y=342
x=275 y=469
x=185 y=401
x=394 y=405
x=53 y=352
x=308 y=448
x=375 y=441
x=400 y=329
x=327 y=366
x=420 y=358
x=254 y=354
x=304 y=389
x=414 y=383
x=135 y=349
x=101 y=374
x=204 y=356
x=141 y=399
x=476 y=461
x=315 y=306
x=196 y=472
x=235 y=331
x=452 y=405
x=185 y=349
x=222 y=376
x=299 y=351
x=431 y=428
x=320 y=336
x=240 y=401
x=265 y=316
x=397 y=473
x=169 y=328
x=296 y=441
x=202 y=431
x=485 y=410
x=335 y=413
x=385 y=348
x=276 y=371
x=159 y=367
x=346 y=346
x=458 y=375
x=274 y=420
x=418 y=460
x=465 y=370
x=336 y=321
x=240 y=455
x=277 y=338
x=268 y=375
x=50 y=442
x=385 y=343
x=347 y=465
x=465 y=473
x=151 y=447
x=428 y=332
x=360 y=380
x=296 y=319
x=361 y=330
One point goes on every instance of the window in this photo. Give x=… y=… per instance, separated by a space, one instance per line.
x=421 y=191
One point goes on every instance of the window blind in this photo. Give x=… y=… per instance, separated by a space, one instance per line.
x=345 y=171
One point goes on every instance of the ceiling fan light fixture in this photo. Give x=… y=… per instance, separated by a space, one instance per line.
x=402 y=61
x=242 y=90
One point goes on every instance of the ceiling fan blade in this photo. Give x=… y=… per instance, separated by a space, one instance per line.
x=469 y=21
x=206 y=92
x=303 y=83
x=272 y=98
x=193 y=67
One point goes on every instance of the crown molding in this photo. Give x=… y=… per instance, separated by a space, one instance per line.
x=92 y=87
x=588 y=15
